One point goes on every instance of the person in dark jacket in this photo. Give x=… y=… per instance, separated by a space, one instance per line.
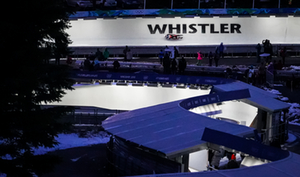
x=116 y=65
x=221 y=50
x=218 y=155
x=232 y=163
x=210 y=58
x=283 y=55
x=174 y=66
x=161 y=56
x=217 y=56
x=125 y=52
x=258 y=51
x=181 y=65
x=166 y=64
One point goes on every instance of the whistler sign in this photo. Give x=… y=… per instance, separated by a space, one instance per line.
x=183 y=31
x=222 y=28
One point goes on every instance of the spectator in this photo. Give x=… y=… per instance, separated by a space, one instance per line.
x=221 y=50
x=199 y=58
x=176 y=52
x=232 y=163
x=129 y=55
x=86 y=64
x=275 y=66
x=235 y=71
x=161 y=56
x=182 y=65
x=106 y=54
x=167 y=51
x=262 y=73
x=268 y=48
x=99 y=55
x=218 y=155
x=270 y=68
x=258 y=51
x=283 y=55
x=228 y=73
x=96 y=64
x=91 y=56
x=217 y=56
x=251 y=75
x=166 y=64
x=174 y=66
x=69 y=60
x=279 y=65
x=125 y=52
x=91 y=66
x=116 y=65
x=210 y=58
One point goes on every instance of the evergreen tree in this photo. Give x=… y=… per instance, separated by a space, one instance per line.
x=32 y=32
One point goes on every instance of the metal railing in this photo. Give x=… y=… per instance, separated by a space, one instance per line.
x=275 y=134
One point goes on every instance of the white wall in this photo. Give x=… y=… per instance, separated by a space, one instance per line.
x=125 y=97
x=199 y=160
x=135 y=32
x=238 y=111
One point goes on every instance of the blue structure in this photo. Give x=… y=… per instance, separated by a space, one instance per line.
x=165 y=134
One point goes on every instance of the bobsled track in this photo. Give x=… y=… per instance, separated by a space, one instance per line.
x=171 y=130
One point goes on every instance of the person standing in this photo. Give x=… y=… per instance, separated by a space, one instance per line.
x=99 y=55
x=235 y=71
x=125 y=52
x=199 y=58
x=251 y=73
x=116 y=65
x=96 y=64
x=283 y=55
x=69 y=60
x=221 y=50
x=106 y=54
x=217 y=56
x=182 y=65
x=174 y=66
x=86 y=64
x=176 y=52
x=166 y=64
x=129 y=55
x=258 y=51
x=210 y=58
x=161 y=56
x=218 y=155
x=262 y=73
x=279 y=65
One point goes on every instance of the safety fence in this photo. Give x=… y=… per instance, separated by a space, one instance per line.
x=277 y=134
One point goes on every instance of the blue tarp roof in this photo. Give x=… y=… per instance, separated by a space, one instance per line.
x=171 y=129
x=168 y=127
x=259 y=97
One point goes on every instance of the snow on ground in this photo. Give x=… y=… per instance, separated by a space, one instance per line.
x=73 y=140
x=294 y=114
x=70 y=141
x=294 y=111
x=297 y=68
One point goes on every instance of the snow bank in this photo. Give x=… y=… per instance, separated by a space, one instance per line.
x=73 y=140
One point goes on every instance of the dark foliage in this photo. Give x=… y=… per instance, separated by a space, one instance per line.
x=30 y=37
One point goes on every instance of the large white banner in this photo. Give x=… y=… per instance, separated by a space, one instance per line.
x=194 y=31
